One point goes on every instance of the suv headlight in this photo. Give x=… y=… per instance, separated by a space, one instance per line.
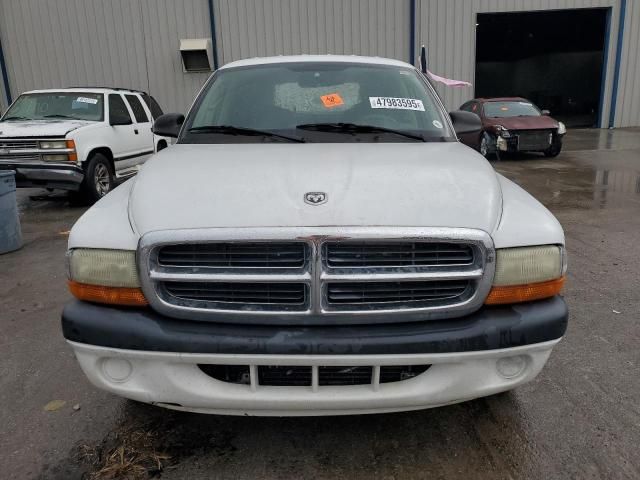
x=53 y=144
x=105 y=276
x=528 y=273
x=562 y=129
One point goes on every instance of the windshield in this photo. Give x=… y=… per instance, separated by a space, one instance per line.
x=56 y=105
x=510 y=109
x=316 y=102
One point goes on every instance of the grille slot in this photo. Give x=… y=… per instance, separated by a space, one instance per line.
x=284 y=376
x=239 y=292
x=360 y=293
x=534 y=139
x=398 y=373
x=396 y=254
x=234 y=255
x=238 y=374
x=333 y=376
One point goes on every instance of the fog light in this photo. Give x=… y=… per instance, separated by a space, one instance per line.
x=117 y=369
x=511 y=367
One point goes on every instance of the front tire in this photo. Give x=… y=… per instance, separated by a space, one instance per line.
x=554 y=150
x=98 y=178
x=485 y=145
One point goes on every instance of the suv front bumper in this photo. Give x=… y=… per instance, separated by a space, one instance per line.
x=141 y=355
x=45 y=174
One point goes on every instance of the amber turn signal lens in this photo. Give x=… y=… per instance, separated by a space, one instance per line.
x=132 y=297
x=73 y=156
x=524 y=293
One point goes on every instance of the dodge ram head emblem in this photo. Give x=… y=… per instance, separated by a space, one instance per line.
x=315 y=198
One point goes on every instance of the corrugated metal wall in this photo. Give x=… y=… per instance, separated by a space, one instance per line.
x=134 y=43
x=165 y=23
x=250 y=28
x=124 y=43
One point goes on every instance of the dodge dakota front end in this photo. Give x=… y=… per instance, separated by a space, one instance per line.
x=316 y=242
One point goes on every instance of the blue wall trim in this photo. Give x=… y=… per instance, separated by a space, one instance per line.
x=214 y=45
x=5 y=76
x=616 y=71
x=605 y=61
x=412 y=32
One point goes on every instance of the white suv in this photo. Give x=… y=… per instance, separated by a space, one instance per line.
x=78 y=139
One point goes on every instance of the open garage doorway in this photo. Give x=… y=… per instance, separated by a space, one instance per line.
x=553 y=58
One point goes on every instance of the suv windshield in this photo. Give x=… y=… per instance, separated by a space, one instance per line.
x=316 y=102
x=57 y=105
x=510 y=109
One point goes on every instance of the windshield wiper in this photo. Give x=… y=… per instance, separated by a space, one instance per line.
x=16 y=117
x=356 y=128
x=58 y=115
x=231 y=130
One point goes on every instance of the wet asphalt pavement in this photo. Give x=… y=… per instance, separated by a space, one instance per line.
x=579 y=419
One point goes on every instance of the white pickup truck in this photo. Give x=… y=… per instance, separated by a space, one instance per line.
x=317 y=242
x=79 y=139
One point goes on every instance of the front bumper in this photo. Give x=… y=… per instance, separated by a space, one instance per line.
x=512 y=144
x=45 y=174
x=141 y=355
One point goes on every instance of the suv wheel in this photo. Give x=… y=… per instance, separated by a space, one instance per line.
x=98 y=178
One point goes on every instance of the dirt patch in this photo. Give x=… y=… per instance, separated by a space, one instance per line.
x=145 y=443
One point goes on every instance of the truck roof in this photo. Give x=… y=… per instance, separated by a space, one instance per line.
x=316 y=58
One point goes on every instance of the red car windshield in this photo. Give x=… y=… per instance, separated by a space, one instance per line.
x=510 y=109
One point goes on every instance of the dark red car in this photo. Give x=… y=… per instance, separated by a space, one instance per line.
x=513 y=124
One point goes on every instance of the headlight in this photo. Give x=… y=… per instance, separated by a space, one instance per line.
x=51 y=144
x=503 y=132
x=105 y=276
x=528 y=273
x=56 y=157
x=561 y=128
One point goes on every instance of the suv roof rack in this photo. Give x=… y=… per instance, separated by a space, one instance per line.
x=109 y=88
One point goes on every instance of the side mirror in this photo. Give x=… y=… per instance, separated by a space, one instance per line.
x=168 y=125
x=546 y=113
x=465 y=122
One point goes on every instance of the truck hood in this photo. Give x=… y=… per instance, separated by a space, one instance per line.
x=524 y=123
x=263 y=185
x=40 y=128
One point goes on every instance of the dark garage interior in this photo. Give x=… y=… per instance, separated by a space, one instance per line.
x=553 y=58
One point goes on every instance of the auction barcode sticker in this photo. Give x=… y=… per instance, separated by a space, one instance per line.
x=396 y=103
x=92 y=101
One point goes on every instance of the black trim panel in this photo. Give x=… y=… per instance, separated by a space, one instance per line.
x=487 y=329
x=129 y=157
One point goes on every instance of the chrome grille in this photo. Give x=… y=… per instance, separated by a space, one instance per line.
x=235 y=255
x=11 y=144
x=19 y=157
x=376 y=293
x=400 y=254
x=316 y=275
x=534 y=139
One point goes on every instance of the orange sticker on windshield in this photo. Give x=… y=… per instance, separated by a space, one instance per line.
x=504 y=109
x=332 y=100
